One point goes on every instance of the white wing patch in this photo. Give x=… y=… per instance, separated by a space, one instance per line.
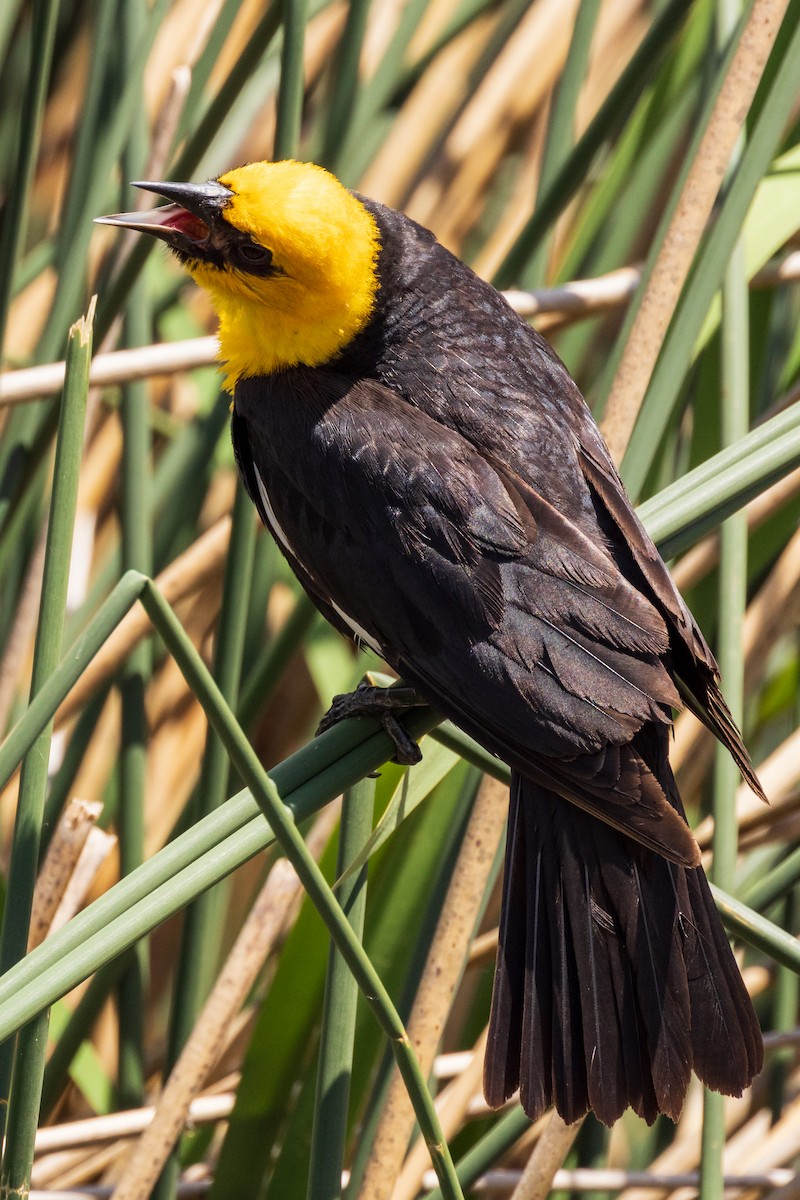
x=359 y=632
x=269 y=513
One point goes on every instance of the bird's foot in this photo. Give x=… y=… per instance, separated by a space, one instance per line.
x=382 y=704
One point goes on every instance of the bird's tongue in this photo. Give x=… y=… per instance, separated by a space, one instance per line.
x=176 y=217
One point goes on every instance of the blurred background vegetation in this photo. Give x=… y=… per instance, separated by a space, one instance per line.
x=545 y=141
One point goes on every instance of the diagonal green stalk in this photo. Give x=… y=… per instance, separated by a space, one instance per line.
x=204 y=921
x=489 y=1149
x=560 y=135
x=286 y=833
x=691 y=506
x=24 y=1071
x=572 y=175
x=710 y=264
x=339 y=1010
x=757 y=931
x=46 y=701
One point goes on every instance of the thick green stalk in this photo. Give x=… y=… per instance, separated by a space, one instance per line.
x=734 y=424
x=193 y=861
x=24 y=1072
x=339 y=1010
x=345 y=83
x=24 y=1105
x=137 y=555
x=291 y=86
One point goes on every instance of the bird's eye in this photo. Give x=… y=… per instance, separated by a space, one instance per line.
x=250 y=254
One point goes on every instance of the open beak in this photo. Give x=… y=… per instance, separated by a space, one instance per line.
x=186 y=223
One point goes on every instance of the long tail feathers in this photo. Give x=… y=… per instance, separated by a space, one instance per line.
x=614 y=975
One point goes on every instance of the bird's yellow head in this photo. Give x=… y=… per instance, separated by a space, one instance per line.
x=287 y=254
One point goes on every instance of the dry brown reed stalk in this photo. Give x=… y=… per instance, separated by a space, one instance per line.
x=439 y=980
x=509 y=94
x=93 y=1131
x=554 y=307
x=453 y=1108
x=111 y=368
x=66 y=845
x=431 y=105
x=274 y=911
x=97 y=848
x=688 y=222
x=61 y=1175
x=548 y=1154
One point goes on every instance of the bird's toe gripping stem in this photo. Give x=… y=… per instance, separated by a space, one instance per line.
x=382 y=704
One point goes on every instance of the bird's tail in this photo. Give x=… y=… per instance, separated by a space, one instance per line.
x=614 y=975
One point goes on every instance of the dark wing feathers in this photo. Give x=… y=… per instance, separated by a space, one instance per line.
x=694 y=667
x=505 y=613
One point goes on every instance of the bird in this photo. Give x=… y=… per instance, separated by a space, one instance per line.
x=438 y=484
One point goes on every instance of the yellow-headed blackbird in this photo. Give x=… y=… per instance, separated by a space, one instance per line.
x=433 y=476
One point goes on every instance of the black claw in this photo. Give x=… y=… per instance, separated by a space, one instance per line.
x=381 y=704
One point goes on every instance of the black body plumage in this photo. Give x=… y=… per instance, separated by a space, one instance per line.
x=441 y=490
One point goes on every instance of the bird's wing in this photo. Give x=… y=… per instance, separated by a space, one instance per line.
x=507 y=616
x=694 y=666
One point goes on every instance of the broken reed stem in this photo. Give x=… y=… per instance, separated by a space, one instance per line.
x=274 y=910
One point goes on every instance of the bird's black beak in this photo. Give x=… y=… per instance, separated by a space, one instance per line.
x=186 y=223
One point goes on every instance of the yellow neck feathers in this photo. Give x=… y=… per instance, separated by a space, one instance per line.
x=321 y=290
